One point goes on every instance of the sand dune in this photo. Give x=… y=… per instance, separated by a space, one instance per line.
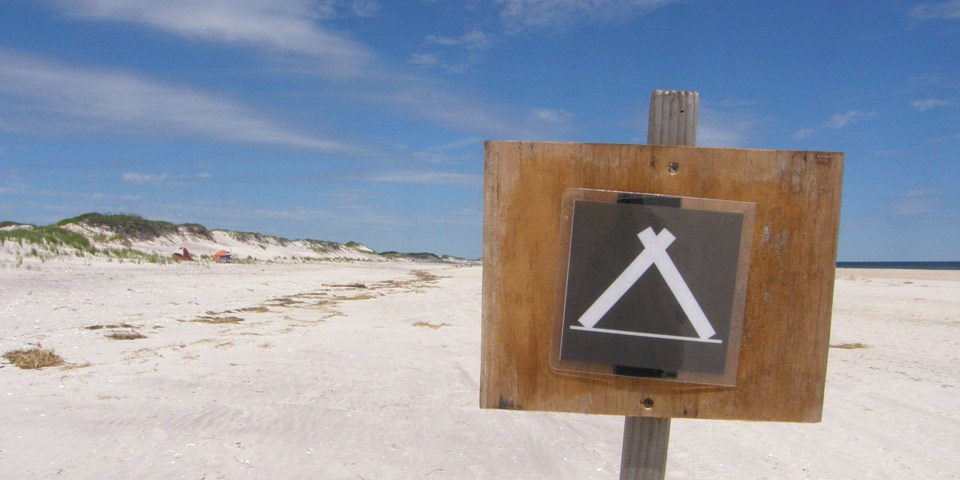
x=370 y=370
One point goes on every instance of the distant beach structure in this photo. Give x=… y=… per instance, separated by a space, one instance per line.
x=902 y=265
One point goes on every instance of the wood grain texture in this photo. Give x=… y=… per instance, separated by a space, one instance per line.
x=646 y=438
x=786 y=326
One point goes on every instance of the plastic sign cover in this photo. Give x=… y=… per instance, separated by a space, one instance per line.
x=651 y=286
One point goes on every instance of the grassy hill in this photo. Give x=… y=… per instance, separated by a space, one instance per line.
x=132 y=238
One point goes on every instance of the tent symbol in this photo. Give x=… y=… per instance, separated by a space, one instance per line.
x=654 y=254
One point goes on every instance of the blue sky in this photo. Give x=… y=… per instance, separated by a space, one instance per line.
x=364 y=119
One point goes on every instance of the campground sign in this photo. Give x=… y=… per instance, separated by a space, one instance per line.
x=658 y=281
x=653 y=285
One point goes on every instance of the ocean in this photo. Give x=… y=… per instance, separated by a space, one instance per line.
x=902 y=265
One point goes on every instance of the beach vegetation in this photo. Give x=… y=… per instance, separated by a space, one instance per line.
x=416 y=257
x=357 y=246
x=7 y=224
x=322 y=247
x=196 y=230
x=126 y=226
x=112 y=236
x=33 y=358
x=53 y=238
x=257 y=238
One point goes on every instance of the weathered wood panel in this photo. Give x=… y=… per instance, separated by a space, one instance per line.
x=786 y=327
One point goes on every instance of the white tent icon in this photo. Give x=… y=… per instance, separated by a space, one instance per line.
x=654 y=254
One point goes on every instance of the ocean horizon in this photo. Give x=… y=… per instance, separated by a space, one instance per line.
x=902 y=265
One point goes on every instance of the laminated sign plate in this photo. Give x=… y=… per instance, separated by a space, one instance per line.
x=653 y=285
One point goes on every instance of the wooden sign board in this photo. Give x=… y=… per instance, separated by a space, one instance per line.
x=786 y=318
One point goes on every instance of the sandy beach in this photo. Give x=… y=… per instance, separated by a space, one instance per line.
x=362 y=370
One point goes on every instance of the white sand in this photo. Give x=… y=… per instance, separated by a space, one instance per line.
x=335 y=381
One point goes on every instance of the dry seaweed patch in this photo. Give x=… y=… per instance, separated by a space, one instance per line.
x=260 y=309
x=74 y=366
x=362 y=296
x=112 y=325
x=849 y=346
x=125 y=335
x=425 y=276
x=434 y=326
x=217 y=320
x=421 y=278
x=33 y=358
x=284 y=302
x=319 y=299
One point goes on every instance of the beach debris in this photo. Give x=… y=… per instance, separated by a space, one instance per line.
x=849 y=346
x=183 y=255
x=111 y=326
x=33 y=358
x=125 y=335
x=217 y=320
x=434 y=326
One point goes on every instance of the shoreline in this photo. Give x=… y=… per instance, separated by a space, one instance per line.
x=918 y=274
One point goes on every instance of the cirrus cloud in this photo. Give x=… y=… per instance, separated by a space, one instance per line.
x=928 y=104
x=841 y=120
x=948 y=10
x=50 y=98
x=519 y=15
x=429 y=178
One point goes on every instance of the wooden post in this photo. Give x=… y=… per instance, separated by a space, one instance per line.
x=673 y=121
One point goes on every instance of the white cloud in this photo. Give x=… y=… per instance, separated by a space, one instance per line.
x=425 y=59
x=948 y=10
x=431 y=101
x=918 y=202
x=280 y=25
x=467 y=49
x=928 y=104
x=840 y=120
x=457 y=152
x=552 y=115
x=365 y=8
x=717 y=128
x=162 y=178
x=471 y=142
x=557 y=14
x=292 y=27
x=49 y=98
x=475 y=40
x=472 y=40
x=429 y=178
x=444 y=41
x=133 y=177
